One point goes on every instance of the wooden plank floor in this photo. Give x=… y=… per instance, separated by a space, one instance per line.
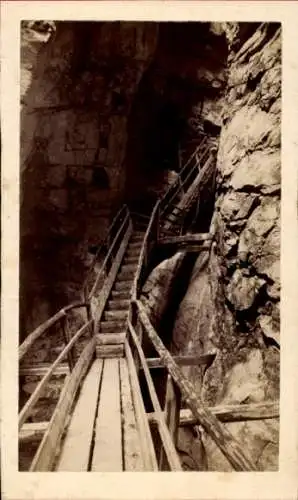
x=107 y=452
x=78 y=440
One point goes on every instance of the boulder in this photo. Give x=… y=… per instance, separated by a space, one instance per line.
x=157 y=289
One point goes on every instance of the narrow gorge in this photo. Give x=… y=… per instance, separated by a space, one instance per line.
x=110 y=113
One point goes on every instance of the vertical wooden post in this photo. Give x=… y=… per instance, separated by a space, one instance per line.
x=172 y=415
x=157 y=225
x=67 y=338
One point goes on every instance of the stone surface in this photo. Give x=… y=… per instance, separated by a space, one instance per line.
x=232 y=302
x=155 y=293
x=242 y=290
x=258 y=170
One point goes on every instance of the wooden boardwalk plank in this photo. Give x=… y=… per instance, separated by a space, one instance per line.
x=107 y=452
x=131 y=441
x=75 y=451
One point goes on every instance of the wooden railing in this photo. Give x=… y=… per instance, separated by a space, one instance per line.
x=96 y=291
x=186 y=176
x=106 y=253
x=178 y=387
x=149 y=241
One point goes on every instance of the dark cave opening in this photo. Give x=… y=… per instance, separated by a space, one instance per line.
x=170 y=93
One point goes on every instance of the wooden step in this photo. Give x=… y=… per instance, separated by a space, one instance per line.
x=131 y=260
x=110 y=351
x=125 y=275
x=74 y=456
x=123 y=285
x=133 y=252
x=118 y=304
x=136 y=245
x=110 y=338
x=107 y=451
x=121 y=294
x=128 y=267
x=136 y=239
x=111 y=326
x=115 y=315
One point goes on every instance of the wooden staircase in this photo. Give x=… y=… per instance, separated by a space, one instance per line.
x=111 y=334
x=100 y=421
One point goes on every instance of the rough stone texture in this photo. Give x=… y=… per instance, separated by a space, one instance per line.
x=232 y=302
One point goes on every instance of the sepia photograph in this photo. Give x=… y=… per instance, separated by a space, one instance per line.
x=149 y=246
x=149 y=227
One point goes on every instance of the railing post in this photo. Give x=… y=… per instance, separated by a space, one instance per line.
x=67 y=338
x=172 y=415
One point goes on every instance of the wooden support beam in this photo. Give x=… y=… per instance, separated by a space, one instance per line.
x=221 y=436
x=186 y=238
x=205 y=359
x=172 y=415
x=41 y=369
x=236 y=413
x=230 y=413
x=32 y=431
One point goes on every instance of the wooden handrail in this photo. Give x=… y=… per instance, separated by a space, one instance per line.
x=32 y=337
x=104 y=242
x=221 y=436
x=108 y=255
x=146 y=241
x=166 y=439
x=27 y=408
x=179 y=184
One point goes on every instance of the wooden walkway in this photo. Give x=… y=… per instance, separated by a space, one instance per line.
x=105 y=413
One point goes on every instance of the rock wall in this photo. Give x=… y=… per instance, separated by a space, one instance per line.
x=232 y=302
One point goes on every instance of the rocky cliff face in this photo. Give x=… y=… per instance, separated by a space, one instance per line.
x=232 y=302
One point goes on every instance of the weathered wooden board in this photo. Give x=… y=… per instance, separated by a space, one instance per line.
x=132 y=451
x=32 y=431
x=110 y=351
x=110 y=338
x=107 y=451
x=45 y=455
x=236 y=413
x=148 y=453
x=76 y=447
x=204 y=359
x=41 y=369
